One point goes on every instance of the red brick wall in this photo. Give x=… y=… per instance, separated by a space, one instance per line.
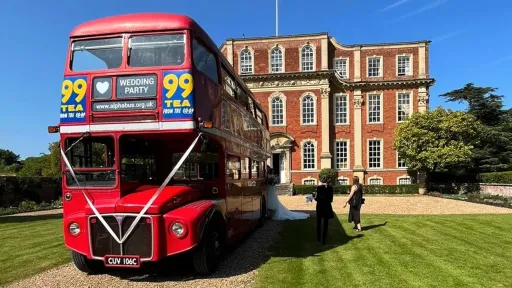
x=389 y=58
x=385 y=131
x=293 y=126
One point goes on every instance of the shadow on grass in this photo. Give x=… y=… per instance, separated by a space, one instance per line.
x=298 y=238
x=29 y=218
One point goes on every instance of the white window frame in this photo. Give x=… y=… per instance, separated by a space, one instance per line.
x=314 y=109
x=336 y=96
x=381 y=66
x=376 y=177
x=343 y=178
x=411 y=71
x=240 y=60
x=381 y=153
x=381 y=110
x=283 y=98
x=282 y=58
x=411 y=103
x=398 y=162
x=314 y=57
x=347 y=76
x=403 y=177
x=309 y=179
x=336 y=154
x=315 y=144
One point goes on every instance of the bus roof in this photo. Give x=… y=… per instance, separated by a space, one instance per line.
x=146 y=22
x=138 y=22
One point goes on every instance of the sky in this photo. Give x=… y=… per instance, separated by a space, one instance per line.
x=470 y=43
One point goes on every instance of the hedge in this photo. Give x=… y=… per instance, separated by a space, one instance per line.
x=368 y=189
x=14 y=190
x=496 y=177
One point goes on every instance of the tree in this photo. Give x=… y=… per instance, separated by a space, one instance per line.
x=9 y=161
x=494 y=150
x=34 y=166
x=437 y=140
x=53 y=167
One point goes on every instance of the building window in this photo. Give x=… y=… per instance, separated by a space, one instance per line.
x=308 y=110
x=374 y=107
x=341 y=109
x=403 y=106
x=277 y=111
x=307 y=56
x=404 y=181
x=309 y=182
x=342 y=181
x=245 y=61
x=374 y=154
x=340 y=65
x=404 y=65
x=375 y=181
x=341 y=148
x=308 y=156
x=401 y=163
x=276 y=60
x=374 y=67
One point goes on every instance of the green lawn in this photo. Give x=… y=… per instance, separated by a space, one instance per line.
x=395 y=251
x=29 y=245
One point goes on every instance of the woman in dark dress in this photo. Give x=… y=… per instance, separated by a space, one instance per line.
x=323 y=198
x=355 y=200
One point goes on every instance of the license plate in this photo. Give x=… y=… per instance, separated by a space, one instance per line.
x=122 y=261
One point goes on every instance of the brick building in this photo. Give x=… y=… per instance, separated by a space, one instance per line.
x=334 y=106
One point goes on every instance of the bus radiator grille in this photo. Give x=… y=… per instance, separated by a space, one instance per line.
x=138 y=243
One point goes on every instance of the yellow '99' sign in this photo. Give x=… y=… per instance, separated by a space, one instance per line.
x=72 y=108
x=177 y=94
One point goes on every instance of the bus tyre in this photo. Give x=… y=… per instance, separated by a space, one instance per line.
x=263 y=212
x=85 y=265
x=207 y=256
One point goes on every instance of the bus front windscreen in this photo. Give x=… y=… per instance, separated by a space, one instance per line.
x=97 y=54
x=91 y=153
x=156 y=50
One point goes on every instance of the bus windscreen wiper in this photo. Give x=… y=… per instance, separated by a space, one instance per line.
x=86 y=134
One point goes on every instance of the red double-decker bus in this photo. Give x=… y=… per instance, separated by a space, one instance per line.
x=163 y=147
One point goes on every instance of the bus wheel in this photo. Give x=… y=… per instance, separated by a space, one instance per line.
x=208 y=254
x=85 y=265
x=263 y=213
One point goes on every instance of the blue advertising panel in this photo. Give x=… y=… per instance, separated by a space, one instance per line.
x=73 y=100
x=177 y=95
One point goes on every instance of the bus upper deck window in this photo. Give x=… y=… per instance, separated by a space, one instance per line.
x=97 y=54
x=156 y=50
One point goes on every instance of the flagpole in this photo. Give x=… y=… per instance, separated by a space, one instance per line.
x=276 y=19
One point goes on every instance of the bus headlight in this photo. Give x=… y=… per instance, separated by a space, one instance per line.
x=74 y=228
x=178 y=229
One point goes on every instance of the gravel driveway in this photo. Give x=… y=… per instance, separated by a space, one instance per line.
x=239 y=268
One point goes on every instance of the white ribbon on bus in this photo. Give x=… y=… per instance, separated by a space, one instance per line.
x=120 y=241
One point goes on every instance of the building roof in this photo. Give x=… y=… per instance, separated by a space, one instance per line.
x=312 y=35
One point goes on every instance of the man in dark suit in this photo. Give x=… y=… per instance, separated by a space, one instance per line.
x=323 y=198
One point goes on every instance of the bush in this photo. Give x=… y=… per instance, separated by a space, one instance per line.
x=328 y=175
x=14 y=190
x=29 y=206
x=497 y=177
x=368 y=189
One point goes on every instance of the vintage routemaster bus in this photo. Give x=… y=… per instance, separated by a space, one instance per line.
x=163 y=147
